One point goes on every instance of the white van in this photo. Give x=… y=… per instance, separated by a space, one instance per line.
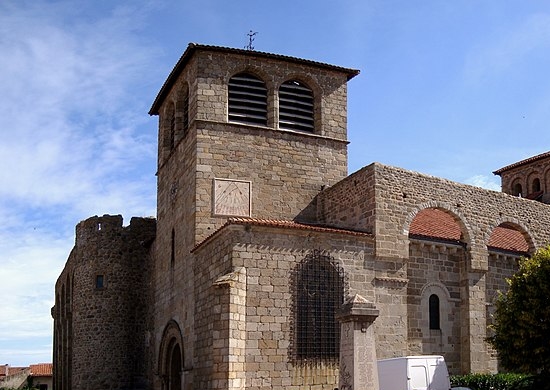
x=413 y=373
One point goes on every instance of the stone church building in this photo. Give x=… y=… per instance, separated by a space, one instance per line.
x=263 y=249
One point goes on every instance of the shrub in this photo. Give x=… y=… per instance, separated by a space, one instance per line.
x=492 y=381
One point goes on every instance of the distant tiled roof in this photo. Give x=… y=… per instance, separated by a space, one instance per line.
x=522 y=162
x=437 y=224
x=11 y=370
x=42 y=369
x=192 y=47
x=281 y=224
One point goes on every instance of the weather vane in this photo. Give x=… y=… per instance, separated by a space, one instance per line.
x=250 y=40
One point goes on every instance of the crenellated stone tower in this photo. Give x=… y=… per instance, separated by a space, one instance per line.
x=102 y=310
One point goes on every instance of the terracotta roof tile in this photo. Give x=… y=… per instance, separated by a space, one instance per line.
x=522 y=162
x=42 y=369
x=508 y=239
x=280 y=224
x=435 y=223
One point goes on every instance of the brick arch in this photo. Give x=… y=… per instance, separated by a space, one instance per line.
x=457 y=215
x=535 y=174
x=516 y=225
x=517 y=180
x=171 y=340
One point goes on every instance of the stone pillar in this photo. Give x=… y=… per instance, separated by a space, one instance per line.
x=358 y=370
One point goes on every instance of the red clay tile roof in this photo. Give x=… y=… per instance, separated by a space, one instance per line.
x=280 y=224
x=42 y=369
x=437 y=224
x=522 y=162
x=11 y=370
x=508 y=239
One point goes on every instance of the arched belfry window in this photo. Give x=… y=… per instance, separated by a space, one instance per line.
x=185 y=112
x=433 y=303
x=296 y=106
x=247 y=100
x=535 y=187
x=170 y=127
x=516 y=189
x=319 y=288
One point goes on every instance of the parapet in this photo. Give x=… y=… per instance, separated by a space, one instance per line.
x=111 y=226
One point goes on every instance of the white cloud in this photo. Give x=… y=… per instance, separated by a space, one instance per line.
x=75 y=141
x=489 y=183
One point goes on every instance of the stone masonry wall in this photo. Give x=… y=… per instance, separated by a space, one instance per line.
x=440 y=269
x=384 y=200
x=257 y=351
x=106 y=340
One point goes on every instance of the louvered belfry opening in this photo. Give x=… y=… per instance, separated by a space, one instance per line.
x=247 y=100
x=296 y=106
x=319 y=286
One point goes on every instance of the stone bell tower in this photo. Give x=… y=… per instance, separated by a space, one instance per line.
x=241 y=134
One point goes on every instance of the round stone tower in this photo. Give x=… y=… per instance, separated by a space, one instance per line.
x=101 y=306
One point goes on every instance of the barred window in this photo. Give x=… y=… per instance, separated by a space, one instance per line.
x=247 y=100
x=295 y=106
x=319 y=292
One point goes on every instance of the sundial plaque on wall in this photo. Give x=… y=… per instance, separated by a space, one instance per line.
x=232 y=197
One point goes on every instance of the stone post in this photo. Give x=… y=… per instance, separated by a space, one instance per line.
x=358 y=370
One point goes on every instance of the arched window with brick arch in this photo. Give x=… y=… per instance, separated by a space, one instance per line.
x=517 y=189
x=535 y=185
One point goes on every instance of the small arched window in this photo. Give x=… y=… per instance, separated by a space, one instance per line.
x=296 y=106
x=434 y=312
x=517 y=190
x=247 y=100
x=535 y=187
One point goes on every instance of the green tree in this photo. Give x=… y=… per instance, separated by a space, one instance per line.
x=522 y=318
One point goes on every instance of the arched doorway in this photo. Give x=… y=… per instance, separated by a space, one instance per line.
x=174 y=376
x=171 y=357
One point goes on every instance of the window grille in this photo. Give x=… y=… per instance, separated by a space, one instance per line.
x=247 y=100
x=319 y=287
x=434 y=312
x=295 y=106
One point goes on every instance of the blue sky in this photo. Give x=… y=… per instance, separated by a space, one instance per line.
x=454 y=89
